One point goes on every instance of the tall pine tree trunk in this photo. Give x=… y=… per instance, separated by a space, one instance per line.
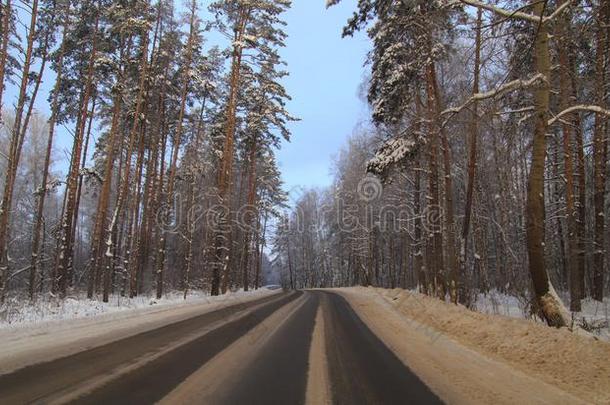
x=549 y=303
x=42 y=191
x=435 y=241
x=568 y=146
x=176 y=147
x=66 y=255
x=104 y=196
x=124 y=186
x=220 y=275
x=472 y=164
x=451 y=258
x=418 y=261
x=14 y=156
x=600 y=153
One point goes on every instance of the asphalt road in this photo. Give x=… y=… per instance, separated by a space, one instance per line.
x=147 y=367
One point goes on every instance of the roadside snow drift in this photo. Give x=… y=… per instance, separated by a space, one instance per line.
x=470 y=357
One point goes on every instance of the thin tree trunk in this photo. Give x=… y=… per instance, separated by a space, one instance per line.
x=260 y=240
x=191 y=235
x=251 y=201
x=6 y=30
x=472 y=162
x=599 y=157
x=420 y=269
x=42 y=191
x=80 y=183
x=568 y=145
x=14 y=150
x=581 y=201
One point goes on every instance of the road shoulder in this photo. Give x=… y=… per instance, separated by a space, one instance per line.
x=25 y=346
x=457 y=373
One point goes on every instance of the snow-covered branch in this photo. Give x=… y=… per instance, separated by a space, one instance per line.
x=517 y=111
x=518 y=14
x=592 y=108
x=503 y=12
x=505 y=88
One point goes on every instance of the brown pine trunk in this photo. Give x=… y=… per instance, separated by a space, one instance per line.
x=549 y=303
x=251 y=201
x=141 y=243
x=80 y=183
x=420 y=269
x=191 y=235
x=190 y=218
x=30 y=108
x=581 y=200
x=434 y=210
x=568 y=146
x=104 y=198
x=176 y=147
x=66 y=254
x=16 y=144
x=599 y=157
x=225 y=174
x=133 y=231
x=125 y=185
x=42 y=191
x=472 y=164
x=449 y=211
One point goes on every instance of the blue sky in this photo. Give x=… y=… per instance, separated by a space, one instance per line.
x=325 y=73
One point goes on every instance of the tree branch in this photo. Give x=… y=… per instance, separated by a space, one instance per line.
x=503 y=12
x=592 y=108
x=519 y=14
x=505 y=88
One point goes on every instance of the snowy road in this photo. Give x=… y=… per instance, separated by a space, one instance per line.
x=299 y=347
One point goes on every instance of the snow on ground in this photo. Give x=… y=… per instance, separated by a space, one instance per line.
x=497 y=303
x=595 y=315
x=471 y=357
x=51 y=328
x=17 y=313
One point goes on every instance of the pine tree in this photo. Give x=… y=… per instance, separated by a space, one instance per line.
x=255 y=25
x=16 y=144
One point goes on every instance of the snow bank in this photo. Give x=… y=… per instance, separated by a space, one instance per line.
x=52 y=328
x=594 y=317
x=576 y=364
x=17 y=313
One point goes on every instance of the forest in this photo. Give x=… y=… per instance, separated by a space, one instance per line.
x=161 y=127
x=139 y=138
x=486 y=158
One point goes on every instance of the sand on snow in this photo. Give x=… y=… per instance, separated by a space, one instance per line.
x=469 y=357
